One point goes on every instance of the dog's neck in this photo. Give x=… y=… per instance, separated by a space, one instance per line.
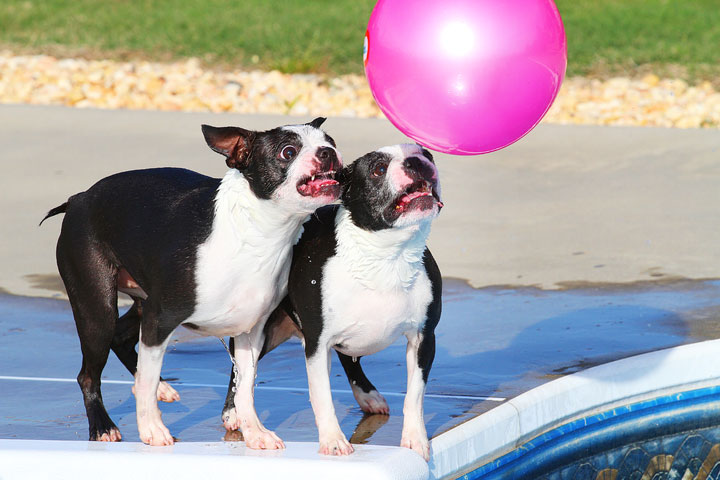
x=255 y=222
x=384 y=259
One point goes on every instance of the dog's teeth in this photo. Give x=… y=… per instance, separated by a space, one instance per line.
x=312 y=179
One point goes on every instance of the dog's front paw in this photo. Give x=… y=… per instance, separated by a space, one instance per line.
x=417 y=442
x=261 y=439
x=155 y=433
x=371 y=402
x=335 y=445
x=230 y=419
x=111 y=435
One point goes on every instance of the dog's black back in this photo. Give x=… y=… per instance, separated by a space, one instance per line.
x=169 y=211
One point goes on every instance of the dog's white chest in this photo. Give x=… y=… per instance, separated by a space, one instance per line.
x=243 y=266
x=359 y=320
x=233 y=294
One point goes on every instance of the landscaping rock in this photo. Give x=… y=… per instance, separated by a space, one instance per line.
x=187 y=86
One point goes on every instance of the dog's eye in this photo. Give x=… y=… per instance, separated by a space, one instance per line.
x=288 y=152
x=380 y=170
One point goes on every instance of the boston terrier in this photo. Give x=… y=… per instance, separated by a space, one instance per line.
x=210 y=254
x=361 y=276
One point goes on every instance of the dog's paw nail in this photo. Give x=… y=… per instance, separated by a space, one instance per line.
x=336 y=446
x=112 y=435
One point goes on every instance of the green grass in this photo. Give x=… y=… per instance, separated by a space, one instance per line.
x=291 y=35
x=620 y=35
x=604 y=36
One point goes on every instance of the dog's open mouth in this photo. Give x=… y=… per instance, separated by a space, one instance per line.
x=319 y=184
x=418 y=196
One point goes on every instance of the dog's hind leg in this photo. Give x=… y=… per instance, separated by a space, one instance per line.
x=229 y=415
x=127 y=335
x=155 y=330
x=365 y=393
x=127 y=329
x=89 y=279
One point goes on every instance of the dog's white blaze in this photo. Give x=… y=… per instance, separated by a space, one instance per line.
x=398 y=178
x=396 y=175
x=311 y=136
x=243 y=266
x=380 y=273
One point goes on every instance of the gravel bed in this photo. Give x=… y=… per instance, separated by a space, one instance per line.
x=186 y=85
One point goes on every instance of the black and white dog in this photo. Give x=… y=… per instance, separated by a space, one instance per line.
x=210 y=254
x=361 y=276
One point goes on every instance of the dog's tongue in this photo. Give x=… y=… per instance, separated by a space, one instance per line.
x=412 y=196
x=405 y=200
x=316 y=187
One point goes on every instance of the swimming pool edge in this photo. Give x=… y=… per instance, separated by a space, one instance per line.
x=599 y=389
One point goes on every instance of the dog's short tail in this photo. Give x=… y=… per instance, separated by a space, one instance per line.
x=55 y=211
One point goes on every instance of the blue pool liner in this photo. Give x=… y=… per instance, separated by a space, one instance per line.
x=596 y=433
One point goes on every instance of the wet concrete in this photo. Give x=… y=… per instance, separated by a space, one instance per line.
x=492 y=342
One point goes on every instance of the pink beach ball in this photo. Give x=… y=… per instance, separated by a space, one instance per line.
x=465 y=76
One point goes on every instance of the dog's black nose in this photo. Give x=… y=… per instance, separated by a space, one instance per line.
x=418 y=169
x=328 y=158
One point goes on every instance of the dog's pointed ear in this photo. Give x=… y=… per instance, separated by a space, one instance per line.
x=232 y=142
x=317 y=122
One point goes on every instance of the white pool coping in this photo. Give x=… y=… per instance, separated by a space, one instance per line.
x=74 y=460
x=504 y=428
x=453 y=453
